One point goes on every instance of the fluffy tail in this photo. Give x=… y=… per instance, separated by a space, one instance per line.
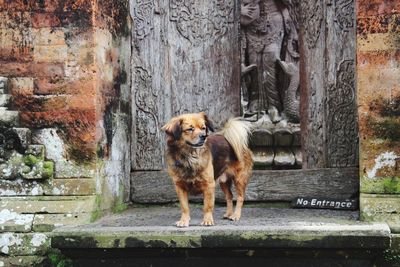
x=237 y=133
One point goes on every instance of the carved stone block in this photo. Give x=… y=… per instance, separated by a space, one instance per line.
x=284 y=157
x=283 y=137
x=261 y=137
x=296 y=132
x=298 y=156
x=263 y=157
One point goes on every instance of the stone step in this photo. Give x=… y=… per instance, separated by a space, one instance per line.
x=153 y=227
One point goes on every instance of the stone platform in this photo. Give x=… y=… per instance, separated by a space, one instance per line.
x=150 y=229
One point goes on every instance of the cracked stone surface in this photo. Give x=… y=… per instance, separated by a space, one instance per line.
x=154 y=227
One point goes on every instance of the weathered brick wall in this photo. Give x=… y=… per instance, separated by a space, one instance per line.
x=65 y=76
x=378 y=70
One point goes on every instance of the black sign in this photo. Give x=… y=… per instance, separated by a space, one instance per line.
x=322 y=203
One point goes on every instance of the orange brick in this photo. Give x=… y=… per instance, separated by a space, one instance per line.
x=48 y=36
x=15 y=37
x=48 y=70
x=50 y=53
x=10 y=19
x=15 y=5
x=366 y=8
x=16 y=53
x=40 y=103
x=46 y=86
x=15 y=69
x=21 y=86
x=44 y=20
x=377 y=59
x=82 y=102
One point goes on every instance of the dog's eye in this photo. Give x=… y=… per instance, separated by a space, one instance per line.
x=203 y=128
x=189 y=130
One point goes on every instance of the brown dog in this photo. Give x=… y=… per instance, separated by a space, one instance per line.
x=196 y=160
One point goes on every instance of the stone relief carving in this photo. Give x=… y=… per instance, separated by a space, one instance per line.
x=344 y=11
x=270 y=76
x=147 y=133
x=142 y=17
x=197 y=25
x=342 y=125
x=312 y=18
x=18 y=157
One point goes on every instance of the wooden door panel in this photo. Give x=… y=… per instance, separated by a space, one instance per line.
x=185 y=60
x=329 y=110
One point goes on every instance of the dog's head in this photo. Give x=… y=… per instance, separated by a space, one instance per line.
x=189 y=129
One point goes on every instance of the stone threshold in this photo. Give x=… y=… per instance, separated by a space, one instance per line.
x=153 y=227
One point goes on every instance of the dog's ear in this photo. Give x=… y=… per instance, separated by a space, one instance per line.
x=209 y=122
x=173 y=128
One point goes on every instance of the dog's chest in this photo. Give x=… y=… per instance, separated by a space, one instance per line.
x=189 y=168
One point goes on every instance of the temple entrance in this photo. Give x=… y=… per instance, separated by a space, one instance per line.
x=286 y=66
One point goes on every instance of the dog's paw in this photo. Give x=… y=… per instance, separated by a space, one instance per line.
x=182 y=223
x=207 y=220
x=227 y=215
x=234 y=217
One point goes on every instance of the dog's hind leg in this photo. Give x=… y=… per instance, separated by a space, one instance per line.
x=240 y=186
x=226 y=185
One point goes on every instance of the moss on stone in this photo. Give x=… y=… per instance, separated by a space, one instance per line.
x=57 y=259
x=392 y=185
x=96 y=213
x=48 y=169
x=388 y=185
x=31 y=160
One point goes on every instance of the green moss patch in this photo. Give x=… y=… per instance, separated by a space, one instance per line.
x=389 y=185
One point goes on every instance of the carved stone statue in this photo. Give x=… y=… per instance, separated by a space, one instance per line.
x=270 y=81
x=270 y=59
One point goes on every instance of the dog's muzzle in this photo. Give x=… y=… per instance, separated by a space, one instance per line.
x=200 y=143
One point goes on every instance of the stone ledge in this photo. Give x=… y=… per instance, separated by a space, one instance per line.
x=259 y=228
x=382 y=208
x=49 y=204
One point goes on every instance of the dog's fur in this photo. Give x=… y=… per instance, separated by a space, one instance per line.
x=196 y=160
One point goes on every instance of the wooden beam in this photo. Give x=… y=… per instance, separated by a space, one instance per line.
x=282 y=185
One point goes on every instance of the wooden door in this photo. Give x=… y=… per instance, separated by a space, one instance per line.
x=187 y=59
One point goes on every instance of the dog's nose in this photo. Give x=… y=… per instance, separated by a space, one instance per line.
x=202 y=137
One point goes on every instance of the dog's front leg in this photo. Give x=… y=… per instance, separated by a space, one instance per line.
x=209 y=199
x=184 y=201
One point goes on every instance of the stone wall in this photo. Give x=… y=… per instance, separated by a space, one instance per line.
x=64 y=117
x=378 y=73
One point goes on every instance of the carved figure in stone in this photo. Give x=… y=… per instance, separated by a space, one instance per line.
x=270 y=76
